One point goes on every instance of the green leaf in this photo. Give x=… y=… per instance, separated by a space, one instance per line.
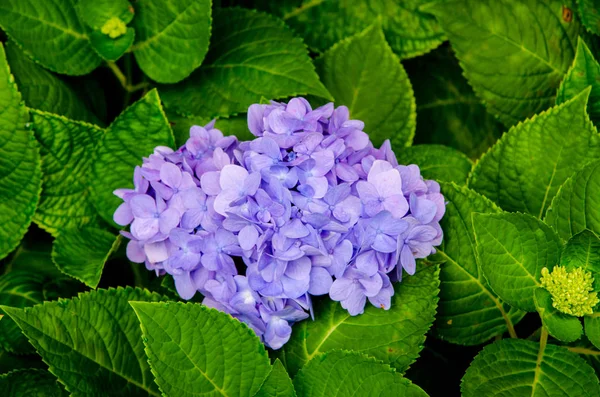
x=235 y=125
x=95 y=13
x=575 y=207
x=561 y=326
x=111 y=49
x=438 y=162
x=182 y=342
x=524 y=170
x=363 y=73
x=92 y=343
x=50 y=33
x=395 y=336
x=171 y=37
x=343 y=373
x=448 y=112
x=133 y=135
x=277 y=384
x=512 y=250
x=18 y=289
x=31 y=382
x=21 y=179
x=44 y=90
x=250 y=47
x=33 y=255
x=66 y=147
x=514 y=367
x=589 y=11
x=469 y=312
x=584 y=72
x=81 y=253
x=583 y=250
x=515 y=71
x=409 y=31
x=592 y=328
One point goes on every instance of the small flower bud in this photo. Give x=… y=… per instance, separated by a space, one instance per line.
x=571 y=290
x=114 y=28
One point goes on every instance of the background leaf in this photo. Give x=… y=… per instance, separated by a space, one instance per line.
x=515 y=71
x=95 y=13
x=524 y=170
x=171 y=37
x=277 y=384
x=112 y=49
x=394 y=336
x=363 y=73
x=589 y=11
x=50 y=33
x=561 y=326
x=31 y=382
x=517 y=367
x=92 y=343
x=583 y=250
x=513 y=249
x=182 y=341
x=250 y=47
x=438 y=162
x=19 y=163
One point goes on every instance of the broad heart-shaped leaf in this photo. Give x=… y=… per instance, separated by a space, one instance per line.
x=363 y=73
x=344 y=373
x=95 y=13
x=409 y=31
x=252 y=55
x=133 y=135
x=561 y=326
x=44 y=90
x=67 y=148
x=395 y=336
x=277 y=384
x=584 y=72
x=438 y=162
x=111 y=49
x=469 y=312
x=523 y=171
x=51 y=33
x=21 y=178
x=515 y=71
x=92 y=343
x=575 y=207
x=31 y=382
x=448 y=112
x=81 y=253
x=589 y=12
x=512 y=250
x=513 y=367
x=171 y=37
x=18 y=289
x=197 y=350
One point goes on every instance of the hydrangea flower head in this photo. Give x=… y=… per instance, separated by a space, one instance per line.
x=307 y=208
x=571 y=290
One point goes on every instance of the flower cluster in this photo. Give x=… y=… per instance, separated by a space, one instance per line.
x=572 y=290
x=309 y=207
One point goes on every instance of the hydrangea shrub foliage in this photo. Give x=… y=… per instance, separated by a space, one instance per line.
x=299 y=198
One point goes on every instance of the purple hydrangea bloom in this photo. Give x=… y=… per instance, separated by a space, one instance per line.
x=307 y=208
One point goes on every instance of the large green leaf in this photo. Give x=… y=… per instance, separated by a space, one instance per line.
x=51 y=33
x=197 y=350
x=30 y=382
x=133 y=135
x=277 y=384
x=363 y=73
x=524 y=170
x=20 y=175
x=342 y=373
x=511 y=368
x=583 y=250
x=409 y=31
x=512 y=250
x=515 y=71
x=584 y=72
x=252 y=55
x=589 y=12
x=395 y=336
x=44 y=90
x=469 y=312
x=438 y=162
x=171 y=37
x=92 y=343
x=575 y=207
x=95 y=13
x=81 y=253
x=66 y=146
x=561 y=326
x=448 y=112
x=112 y=49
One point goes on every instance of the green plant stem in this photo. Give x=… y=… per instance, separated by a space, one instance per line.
x=536 y=334
x=123 y=79
x=301 y=9
x=583 y=350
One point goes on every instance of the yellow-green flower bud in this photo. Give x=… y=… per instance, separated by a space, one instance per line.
x=572 y=291
x=114 y=28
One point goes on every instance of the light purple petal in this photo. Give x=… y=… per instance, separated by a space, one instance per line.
x=320 y=281
x=123 y=215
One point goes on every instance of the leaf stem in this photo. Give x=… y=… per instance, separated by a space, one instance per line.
x=123 y=80
x=583 y=350
x=301 y=9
